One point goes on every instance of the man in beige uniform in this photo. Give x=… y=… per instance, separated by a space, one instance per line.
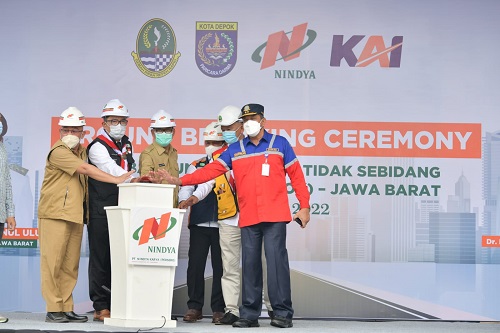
x=160 y=155
x=61 y=216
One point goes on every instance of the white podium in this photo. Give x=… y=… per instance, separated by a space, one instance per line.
x=142 y=284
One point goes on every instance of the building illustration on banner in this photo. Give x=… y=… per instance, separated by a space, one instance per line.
x=491 y=193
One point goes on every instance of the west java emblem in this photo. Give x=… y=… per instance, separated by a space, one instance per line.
x=216 y=47
x=156 y=54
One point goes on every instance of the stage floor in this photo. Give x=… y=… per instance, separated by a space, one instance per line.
x=35 y=322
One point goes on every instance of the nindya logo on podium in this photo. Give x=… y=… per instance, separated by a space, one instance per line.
x=155 y=236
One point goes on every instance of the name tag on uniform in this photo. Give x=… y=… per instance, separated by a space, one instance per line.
x=265 y=169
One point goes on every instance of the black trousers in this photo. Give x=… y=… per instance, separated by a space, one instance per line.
x=273 y=235
x=201 y=239
x=99 y=263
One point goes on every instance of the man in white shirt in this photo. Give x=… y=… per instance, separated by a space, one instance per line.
x=110 y=152
x=203 y=235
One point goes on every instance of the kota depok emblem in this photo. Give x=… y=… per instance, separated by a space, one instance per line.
x=156 y=54
x=216 y=47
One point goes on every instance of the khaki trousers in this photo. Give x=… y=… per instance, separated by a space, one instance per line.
x=60 y=243
x=230 y=244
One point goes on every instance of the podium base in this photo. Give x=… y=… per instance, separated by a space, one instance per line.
x=141 y=323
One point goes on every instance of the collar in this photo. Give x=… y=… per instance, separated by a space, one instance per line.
x=220 y=151
x=78 y=152
x=266 y=137
x=163 y=150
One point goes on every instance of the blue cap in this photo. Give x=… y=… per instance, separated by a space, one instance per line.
x=252 y=109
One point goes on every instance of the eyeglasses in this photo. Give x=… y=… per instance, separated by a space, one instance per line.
x=164 y=130
x=214 y=143
x=115 y=122
x=72 y=131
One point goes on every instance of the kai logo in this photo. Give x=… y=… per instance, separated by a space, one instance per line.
x=152 y=228
x=156 y=54
x=288 y=45
x=374 y=50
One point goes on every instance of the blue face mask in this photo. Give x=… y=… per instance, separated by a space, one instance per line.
x=230 y=136
x=164 y=139
x=1 y=128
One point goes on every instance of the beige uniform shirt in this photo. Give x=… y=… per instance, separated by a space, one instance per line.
x=63 y=190
x=155 y=158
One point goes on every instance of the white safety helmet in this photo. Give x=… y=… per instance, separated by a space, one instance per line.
x=114 y=108
x=72 y=117
x=213 y=132
x=162 y=119
x=229 y=115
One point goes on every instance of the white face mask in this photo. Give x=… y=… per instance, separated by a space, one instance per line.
x=211 y=149
x=117 y=131
x=70 y=140
x=252 y=128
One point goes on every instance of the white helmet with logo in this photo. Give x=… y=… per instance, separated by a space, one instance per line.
x=72 y=117
x=229 y=115
x=114 y=108
x=213 y=132
x=162 y=119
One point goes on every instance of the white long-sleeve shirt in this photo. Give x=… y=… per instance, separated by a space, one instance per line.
x=201 y=191
x=99 y=156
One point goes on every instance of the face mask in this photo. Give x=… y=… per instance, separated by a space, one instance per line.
x=117 y=132
x=252 y=128
x=70 y=140
x=164 y=139
x=1 y=128
x=230 y=137
x=210 y=150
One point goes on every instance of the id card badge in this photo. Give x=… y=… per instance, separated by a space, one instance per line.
x=265 y=169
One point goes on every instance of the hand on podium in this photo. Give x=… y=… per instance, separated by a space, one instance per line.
x=151 y=177
x=168 y=177
x=124 y=177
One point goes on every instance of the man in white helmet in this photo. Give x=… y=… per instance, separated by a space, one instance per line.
x=204 y=234
x=231 y=124
x=61 y=213
x=161 y=155
x=110 y=152
x=261 y=163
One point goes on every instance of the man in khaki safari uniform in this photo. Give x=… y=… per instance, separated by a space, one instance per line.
x=61 y=216
x=161 y=155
